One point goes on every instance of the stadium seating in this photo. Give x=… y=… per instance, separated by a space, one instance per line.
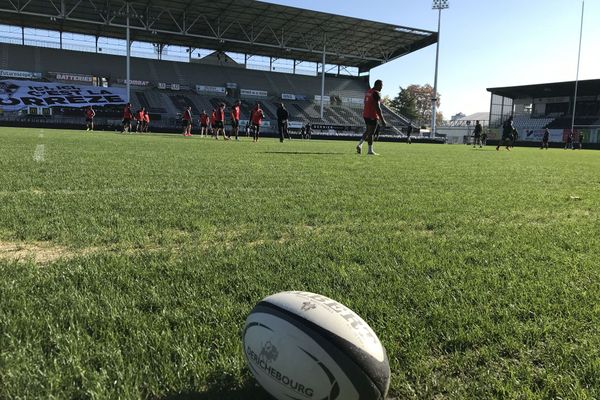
x=526 y=122
x=167 y=104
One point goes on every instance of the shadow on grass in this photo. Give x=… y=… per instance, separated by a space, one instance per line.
x=302 y=152
x=247 y=393
x=224 y=388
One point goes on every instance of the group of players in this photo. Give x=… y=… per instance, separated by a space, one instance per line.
x=135 y=122
x=140 y=120
x=215 y=123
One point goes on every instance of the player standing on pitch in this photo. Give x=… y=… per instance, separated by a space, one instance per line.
x=139 y=117
x=127 y=117
x=507 y=133
x=545 y=139
x=203 y=124
x=477 y=134
x=282 y=122
x=89 y=118
x=235 y=119
x=146 y=121
x=220 y=121
x=213 y=119
x=372 y=115
x=257 y=117
x=187 y=121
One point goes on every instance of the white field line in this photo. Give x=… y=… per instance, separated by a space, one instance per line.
x=38 y=155
x=126 y=191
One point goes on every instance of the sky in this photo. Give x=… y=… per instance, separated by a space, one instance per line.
x=483 y=44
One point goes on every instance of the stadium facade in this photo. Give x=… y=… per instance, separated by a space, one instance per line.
x=548 y=105
x=221 y=40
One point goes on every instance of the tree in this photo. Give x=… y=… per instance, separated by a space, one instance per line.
x=404 y=104
x=414 y=102
x=386 y=101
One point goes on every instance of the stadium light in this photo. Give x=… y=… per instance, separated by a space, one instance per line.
x=437 y=5
x=577 y=75
x=128 y=67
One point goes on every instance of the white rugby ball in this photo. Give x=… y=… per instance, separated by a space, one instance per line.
x=302 y=345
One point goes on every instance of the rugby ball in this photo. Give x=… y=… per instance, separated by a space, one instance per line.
x=301 y=345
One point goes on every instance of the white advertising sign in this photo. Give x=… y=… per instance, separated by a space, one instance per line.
x=16 y=95
x=73 y=77
x=536 y=135
x=210 y=89
x=19 y=74
x=255 y=93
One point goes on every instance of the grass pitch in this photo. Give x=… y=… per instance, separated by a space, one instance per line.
x=128 y=264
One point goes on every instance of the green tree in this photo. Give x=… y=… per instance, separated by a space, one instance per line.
x=405 y=104
x=414 y=102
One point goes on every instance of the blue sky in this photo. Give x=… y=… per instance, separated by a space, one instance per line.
x=484 y=43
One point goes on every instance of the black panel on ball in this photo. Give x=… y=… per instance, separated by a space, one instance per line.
x=370 y=377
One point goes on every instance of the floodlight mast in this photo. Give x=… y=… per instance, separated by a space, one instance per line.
x=128 y=61
x=578 y=60
x=437 y=5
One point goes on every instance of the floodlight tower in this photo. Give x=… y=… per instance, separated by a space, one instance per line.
x=437 y=5
x=577 y=75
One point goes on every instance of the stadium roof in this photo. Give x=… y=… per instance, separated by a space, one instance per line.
x=241 y=26
x=558 y=89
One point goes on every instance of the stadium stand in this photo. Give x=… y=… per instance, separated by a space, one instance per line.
x=526 y=122
x=343 y=109
x=201 y=81
x=549 y=104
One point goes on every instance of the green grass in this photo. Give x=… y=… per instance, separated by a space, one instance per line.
x=479 y=270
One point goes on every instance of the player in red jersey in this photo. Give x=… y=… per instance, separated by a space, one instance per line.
x=372 y=115
x=127 y=117
x=203 y=123
x=235 y=119
x=146 y=121
x=257 y=117
x=213 y=118
x=187 y=121
x=89 y=118
x=220 y=122
x=139 y=117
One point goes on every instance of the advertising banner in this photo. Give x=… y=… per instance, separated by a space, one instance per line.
x=536 y=135
x=17 y=95
x=352 y=100
x=6 y=73
x=295 y=124
x=244 y=122
x=72 y=77
x=327 y=127
x=326 y=99
x=171 y=86
x=210 y=89
x=133 y=82
x=256 y=93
